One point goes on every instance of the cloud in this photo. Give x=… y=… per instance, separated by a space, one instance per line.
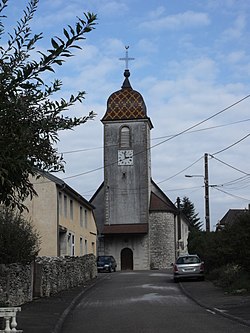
x=236 y=30
x=113 y=8
x=188 y=19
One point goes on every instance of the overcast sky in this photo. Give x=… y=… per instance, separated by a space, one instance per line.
x=191 y=63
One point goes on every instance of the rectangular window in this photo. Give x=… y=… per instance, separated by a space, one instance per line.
x=71 y=244
x=86 y=218
x=81 y=216
x=81 y=246
x=65 y=206
x=71 y=209
x=86 y=246
x=60 y=203
x=93 y=247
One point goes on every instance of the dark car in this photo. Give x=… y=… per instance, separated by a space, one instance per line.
x=106 y=264
x=188 y=266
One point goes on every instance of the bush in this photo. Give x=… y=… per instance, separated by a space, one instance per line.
x=19 y=242
x=232 y=278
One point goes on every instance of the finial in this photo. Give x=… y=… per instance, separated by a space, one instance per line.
x=126 y=59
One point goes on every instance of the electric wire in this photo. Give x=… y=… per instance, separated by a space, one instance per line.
x=230 y=166
x=164 y=180
x=170 y=138
x=230 y=146
x=231 y=195
x=158 y=138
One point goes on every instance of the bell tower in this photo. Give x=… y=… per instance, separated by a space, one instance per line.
x=127 y=167
x=135 y=219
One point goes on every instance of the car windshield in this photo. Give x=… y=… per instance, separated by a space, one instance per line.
x=188 y=260
x=104 y=258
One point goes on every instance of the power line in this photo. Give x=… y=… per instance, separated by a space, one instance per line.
x=202 y=121
x=158 y=138
x=164 y=180
x=235 y=143
x=231 y=195
x=172 y=137
x=230 y=166
x=206 y=128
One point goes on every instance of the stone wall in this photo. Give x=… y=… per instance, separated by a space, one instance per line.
x=162 y=240
x=19 y=283
x=16 y=284
x=54 y=274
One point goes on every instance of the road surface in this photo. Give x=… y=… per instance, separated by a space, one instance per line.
x=143 y=302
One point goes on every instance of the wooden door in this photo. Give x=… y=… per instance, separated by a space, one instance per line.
x=126 y=259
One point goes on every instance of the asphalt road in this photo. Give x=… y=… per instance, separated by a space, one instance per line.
x=143 y=302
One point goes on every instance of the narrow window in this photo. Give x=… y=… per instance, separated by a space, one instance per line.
x=86 y=246
x=81 y=216
x=81 y=246
x=124 y=137
x=65 y=206
x=71 y=209
x=86 y=218
x=73 y=245
x=60 y=203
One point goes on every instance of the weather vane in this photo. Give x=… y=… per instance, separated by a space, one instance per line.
x=126 y=59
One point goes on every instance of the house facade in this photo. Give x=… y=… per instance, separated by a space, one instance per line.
x=137 y=223
x=62 y=217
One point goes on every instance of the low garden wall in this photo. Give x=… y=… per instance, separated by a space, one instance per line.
x=19 y=283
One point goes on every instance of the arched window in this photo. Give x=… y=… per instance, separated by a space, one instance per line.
x=124 y=137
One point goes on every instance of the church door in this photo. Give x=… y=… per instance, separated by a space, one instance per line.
x=126 y=259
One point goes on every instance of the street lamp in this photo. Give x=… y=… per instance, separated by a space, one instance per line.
x=206 y=186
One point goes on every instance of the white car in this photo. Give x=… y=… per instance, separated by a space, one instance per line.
x=188 y=266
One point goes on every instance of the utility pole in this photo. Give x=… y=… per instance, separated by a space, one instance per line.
x=206 y=183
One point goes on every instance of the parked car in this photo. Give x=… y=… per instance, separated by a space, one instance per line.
x=188 y=266
x=106 y=264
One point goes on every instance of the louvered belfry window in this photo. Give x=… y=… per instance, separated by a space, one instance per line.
x=125 y=137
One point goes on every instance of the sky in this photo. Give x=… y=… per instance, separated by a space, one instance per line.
x=192 y=67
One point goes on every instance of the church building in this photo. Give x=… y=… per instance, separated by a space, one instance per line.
x=137 y=223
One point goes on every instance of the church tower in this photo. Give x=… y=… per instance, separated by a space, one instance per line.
x=127 y=171
x=136 y=221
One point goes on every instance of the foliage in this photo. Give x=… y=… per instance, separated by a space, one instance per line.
x=29 y=118
x=226 y=253
x=188 y=209
x=19 y=242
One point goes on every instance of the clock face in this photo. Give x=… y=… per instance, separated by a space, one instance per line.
x=125 y=157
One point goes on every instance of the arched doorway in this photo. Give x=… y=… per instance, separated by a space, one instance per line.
x=126 y=259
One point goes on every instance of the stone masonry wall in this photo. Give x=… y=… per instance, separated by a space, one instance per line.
x=15 y=284
x=54 y=274
x=47 y=276
x=162 y=239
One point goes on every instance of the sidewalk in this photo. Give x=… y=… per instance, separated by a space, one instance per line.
x=214 y=299
x=46 y=315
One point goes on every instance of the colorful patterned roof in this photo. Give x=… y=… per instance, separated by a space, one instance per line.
x=125 y=104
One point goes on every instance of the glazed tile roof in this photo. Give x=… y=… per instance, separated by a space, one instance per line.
x=125 y=104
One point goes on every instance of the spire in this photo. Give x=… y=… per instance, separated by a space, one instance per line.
x=126 y=83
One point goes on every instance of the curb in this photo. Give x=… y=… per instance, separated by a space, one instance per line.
x=212 y=309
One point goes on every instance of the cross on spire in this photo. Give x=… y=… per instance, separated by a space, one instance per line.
x=126 y=59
